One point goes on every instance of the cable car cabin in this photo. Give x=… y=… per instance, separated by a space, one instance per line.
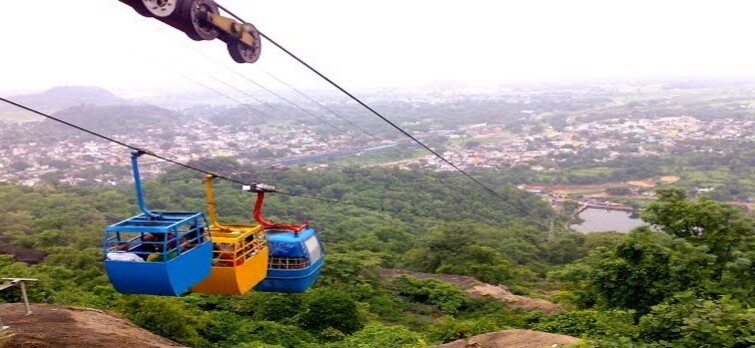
x=295 y=260
x=175 y=251
x=239 y=261
x=157 y=253
x=240 y=254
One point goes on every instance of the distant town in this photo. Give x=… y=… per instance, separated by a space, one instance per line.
x=522 y=131
x=496 y=147
x=476 y=146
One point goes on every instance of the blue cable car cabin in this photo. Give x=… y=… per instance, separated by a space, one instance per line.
x=295 y=261
x=296 y=254
x=173 y=249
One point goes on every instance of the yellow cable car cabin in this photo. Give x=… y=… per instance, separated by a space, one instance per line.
x=240 y=254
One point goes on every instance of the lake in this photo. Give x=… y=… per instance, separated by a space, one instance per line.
x=600 y=220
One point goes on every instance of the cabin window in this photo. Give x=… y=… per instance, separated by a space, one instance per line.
x=288 y=263
x=313 y=247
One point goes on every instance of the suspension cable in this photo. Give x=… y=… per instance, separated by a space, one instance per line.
x=313 y=100
x=121 y=143
x=200 y=170
x=269 y=90
x=243 y=104
x=363 y=104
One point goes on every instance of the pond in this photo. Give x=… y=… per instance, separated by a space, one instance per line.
x=601 y=220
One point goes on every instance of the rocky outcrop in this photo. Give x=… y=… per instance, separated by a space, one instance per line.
x=474 y=287
x=72 y=327
x=514 y=339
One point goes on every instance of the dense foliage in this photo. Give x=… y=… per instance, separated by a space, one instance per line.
x=687 y=282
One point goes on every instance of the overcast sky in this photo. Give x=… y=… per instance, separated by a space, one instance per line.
x=367 y=44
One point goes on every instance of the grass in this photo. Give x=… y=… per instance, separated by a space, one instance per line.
x=376 y=157
x=491 y=139
x=716 y=178
x=593 y=171
x=16 y=116
x=584 y=191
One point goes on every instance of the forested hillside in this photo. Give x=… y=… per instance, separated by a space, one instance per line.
x=687 y=283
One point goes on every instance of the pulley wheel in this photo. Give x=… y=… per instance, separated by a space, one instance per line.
x=243 y=53
x=195 y=22
x=161 y=8
x=138 y=6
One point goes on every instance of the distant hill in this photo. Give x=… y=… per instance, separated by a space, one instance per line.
x=58 y=98
x=111 y=119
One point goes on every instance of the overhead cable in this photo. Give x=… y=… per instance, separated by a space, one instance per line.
x=116 y=141
x=373 y=111
x=197 y=169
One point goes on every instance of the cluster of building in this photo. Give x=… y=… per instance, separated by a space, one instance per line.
x=485 y=146
x=80 y=159
x=83 y=160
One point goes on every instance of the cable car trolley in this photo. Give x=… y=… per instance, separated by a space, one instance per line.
x=157 y=253
x=240 y=253
x=201 y=20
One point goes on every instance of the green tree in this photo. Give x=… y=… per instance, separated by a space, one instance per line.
x=446 y=296
x=278 y=307
x=226 y=328
x=720 y=227
x=592 y=323
x=377 y=335
x=641 y=272
x=257 y=344
x=449 y=329
x=351 y=268
x=167 y=317
x=327 y=308
x=687 y=321
x=464 y=248
x=269 y=332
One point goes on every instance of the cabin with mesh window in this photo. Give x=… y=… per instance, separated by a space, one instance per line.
x=175 y=248
x=156 y=253
x=296 y=259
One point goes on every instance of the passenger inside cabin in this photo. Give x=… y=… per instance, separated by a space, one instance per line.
x=121 y=253
x=224 y=255
x=150 y=238
x=158 y=238
x=217 y=257
x=192 y=238
x=298 y=263
x=200 y=232
x=160 y=257
x=250 y=246
x=240 y=254
x=187 y=244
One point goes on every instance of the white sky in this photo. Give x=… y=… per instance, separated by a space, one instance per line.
x=368 y=43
